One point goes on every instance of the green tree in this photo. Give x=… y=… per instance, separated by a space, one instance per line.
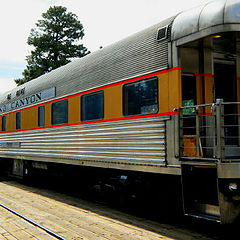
x=55 y=42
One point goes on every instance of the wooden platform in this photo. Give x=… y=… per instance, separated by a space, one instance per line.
x=11 y=227
x=72 y=218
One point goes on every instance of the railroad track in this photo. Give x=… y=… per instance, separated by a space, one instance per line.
x=59 y=216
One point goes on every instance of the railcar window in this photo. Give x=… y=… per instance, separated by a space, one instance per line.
x=60 y=112
x=18 y=120
x=188 y=92
x=92 y=106
x=3 y=123
x=41 y=116
x=140 y=97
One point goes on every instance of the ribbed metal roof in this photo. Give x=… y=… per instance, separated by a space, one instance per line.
x=210 y=18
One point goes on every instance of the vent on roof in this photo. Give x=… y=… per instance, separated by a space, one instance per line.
x=162 y=33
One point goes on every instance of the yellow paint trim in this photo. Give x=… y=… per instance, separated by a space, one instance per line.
x=175 y=90
x=163 y=92
x=29 y=118
x=48 y=115
x=208 y=83
x=74 y=109
x=113 y=99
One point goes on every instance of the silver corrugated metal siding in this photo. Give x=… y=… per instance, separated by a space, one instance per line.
x=135 y=142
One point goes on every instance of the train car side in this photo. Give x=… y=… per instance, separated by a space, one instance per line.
x=157 y=102
x=117 y=134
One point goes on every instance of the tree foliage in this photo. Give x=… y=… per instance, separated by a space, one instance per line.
x=55 y=40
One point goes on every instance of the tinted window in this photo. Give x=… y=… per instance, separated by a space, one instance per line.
x=18 y=120
x=189 y=88
x=92 y=106
x=41 y=116
x=60 y=112
x=141 y=97
x=188 y=93
x=3 y=123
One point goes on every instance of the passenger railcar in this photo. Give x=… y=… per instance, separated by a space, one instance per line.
x=165 y=101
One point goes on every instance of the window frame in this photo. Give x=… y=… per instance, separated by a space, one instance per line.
x=52 y=112
x=4 y=123
x=41 y=119
x=18 y=120
x=102 y=107
x=124 y=106
x=189 y=92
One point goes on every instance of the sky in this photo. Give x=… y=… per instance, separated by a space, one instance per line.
x=104 y=22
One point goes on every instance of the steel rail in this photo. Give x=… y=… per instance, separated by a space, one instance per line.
x=33 y=223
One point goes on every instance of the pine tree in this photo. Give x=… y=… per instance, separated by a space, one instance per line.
x=55 y=40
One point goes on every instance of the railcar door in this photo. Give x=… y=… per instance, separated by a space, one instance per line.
x=225 y=87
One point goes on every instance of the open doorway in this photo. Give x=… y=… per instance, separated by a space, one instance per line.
x=225 y=80
x=225 y=88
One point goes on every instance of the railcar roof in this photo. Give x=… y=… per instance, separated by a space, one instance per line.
x=210 y=18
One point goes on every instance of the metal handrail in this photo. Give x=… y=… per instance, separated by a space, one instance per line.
x=212 y=131
x=200 y=105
